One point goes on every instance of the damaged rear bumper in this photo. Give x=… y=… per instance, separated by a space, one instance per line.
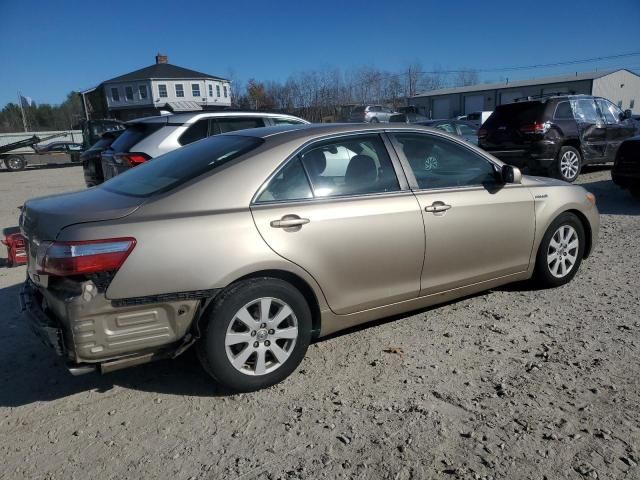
x=92 y=332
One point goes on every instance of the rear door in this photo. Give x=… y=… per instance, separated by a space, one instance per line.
x=476 y=228
x=342 y=210
x=591 y=129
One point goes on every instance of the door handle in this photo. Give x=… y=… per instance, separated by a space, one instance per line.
x=437 y=207
x=290 y=222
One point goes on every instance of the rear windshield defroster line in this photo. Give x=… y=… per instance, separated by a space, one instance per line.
x=172 y=169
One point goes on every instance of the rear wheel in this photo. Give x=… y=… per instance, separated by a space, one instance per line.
x=256 y=334
x=560 y=252
x=569 y=164
x=375 y=120
x=15 y=163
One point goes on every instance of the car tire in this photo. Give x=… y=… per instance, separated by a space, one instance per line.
x=559 y=256
x=240 y=347
x=375 y=120
x=568 y=165
x=15 y=163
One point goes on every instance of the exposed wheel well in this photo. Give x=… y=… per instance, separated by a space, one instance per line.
x=587 y=231
x=302 y=286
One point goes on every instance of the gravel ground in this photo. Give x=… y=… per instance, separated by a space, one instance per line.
x=513 y=383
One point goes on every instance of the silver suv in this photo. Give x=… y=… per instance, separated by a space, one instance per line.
x=151 y=137
x=371 y=114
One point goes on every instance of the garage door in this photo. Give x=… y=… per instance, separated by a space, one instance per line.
x=473 y=103
x=440 y=108
x=509 y=97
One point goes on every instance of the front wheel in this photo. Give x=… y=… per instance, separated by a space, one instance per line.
x=569 y=164
x=560 y=252
x=256 y=334
x=15 y=163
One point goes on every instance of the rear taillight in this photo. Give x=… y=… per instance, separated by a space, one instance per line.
x=482 y=133
x=78 y=258
x=131 y=159
x=535 y=127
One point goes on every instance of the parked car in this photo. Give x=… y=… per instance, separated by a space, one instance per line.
x=626 y=168
x=556 y=135
x=148 y=138
x=58 y=147
x=250 y=244
x=410 y=114
x=92 y=158
x=466 y=130
x=371 y=114
x=477 y=118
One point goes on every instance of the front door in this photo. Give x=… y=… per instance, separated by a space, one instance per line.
x=477 y=228
x=618 y=127
x=591 y=129
x=339 y=211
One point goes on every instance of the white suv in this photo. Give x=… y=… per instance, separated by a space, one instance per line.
x=147 y=138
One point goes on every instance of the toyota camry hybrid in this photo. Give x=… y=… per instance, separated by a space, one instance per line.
x=251 y=244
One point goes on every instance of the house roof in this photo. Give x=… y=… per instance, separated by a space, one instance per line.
x=164 y=71
x=518 y=83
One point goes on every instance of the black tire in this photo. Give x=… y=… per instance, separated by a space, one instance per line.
x=212 y=350
x=375 y=120
x=543 y=274
x=566 y=157
x=15 y=163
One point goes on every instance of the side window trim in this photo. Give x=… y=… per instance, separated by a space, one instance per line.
x=406 y=166
x=398 y=169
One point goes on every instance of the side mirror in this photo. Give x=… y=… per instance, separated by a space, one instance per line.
x=627 y=114
x=511 y=174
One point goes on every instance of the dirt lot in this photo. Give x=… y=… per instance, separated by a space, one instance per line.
x=514 y=383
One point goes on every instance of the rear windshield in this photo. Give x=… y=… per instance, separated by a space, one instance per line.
x=179 y=166
x=515 y=114
x=134 y=134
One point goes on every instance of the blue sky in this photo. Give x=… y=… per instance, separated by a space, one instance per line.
x=49 y=48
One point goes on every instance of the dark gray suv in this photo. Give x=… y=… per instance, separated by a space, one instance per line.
x=556 y=135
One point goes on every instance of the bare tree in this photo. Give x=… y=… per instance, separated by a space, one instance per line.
x=466 y=77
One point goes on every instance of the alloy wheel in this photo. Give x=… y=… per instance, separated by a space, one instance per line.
x=569 y=164
x=261 y=336
x=562 y=253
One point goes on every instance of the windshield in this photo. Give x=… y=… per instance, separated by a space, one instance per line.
x=174 y=168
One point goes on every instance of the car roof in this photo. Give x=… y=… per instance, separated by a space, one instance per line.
x=285 y=133
x=190 y=117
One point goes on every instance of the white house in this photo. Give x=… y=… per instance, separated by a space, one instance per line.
x=163 y=87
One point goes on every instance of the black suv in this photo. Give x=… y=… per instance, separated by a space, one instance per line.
x=556 y=135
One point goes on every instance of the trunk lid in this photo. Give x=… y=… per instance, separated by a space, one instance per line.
x=43 y=218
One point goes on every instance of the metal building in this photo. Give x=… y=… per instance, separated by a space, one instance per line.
x=622 y=87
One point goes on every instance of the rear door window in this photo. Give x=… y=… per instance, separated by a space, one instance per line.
x=231 y=124
x=285 y=121
x=350 y=166
x=585 y=111
x=134 y=134
x=195 y=132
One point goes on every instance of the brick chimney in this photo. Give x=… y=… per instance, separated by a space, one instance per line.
x=161 y=59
